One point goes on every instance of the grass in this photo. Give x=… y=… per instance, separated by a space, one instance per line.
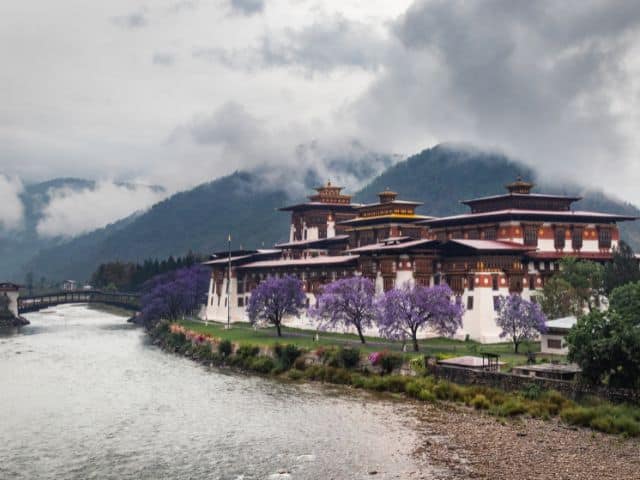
x=244 y=333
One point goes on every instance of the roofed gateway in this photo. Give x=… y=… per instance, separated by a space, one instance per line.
x=508 y=243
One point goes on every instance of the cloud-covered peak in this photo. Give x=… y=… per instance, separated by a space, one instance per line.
x=70 y=211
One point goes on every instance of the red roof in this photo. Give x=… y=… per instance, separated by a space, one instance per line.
x=391 y=246
x=302 y=262
x=518 y=212
x=492 y=245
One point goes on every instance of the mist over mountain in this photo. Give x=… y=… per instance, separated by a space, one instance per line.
x=56 y=210
x=245 y=204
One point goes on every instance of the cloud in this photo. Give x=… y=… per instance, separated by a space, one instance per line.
x=247 y=7
x=164 y=59
x=11 y=207
x=544 y=81
x=288 y=157
x=328 y=44
x=71 y=212
x=132 y=20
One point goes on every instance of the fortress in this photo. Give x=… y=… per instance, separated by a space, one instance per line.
x=507 y=243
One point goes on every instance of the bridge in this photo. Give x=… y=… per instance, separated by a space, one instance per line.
x=33 y=303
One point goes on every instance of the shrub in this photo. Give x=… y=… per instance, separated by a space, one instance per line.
x=349 y=357
x=248 y=351
x=418 y=364
x=532 y=391
x=286 y=355
x=390 y=361
x=511 y=408
x=300 y=363
x=225 y=348
x=578 y=415
x=480 y=402
x=176 y=340
x=202 y=351
x=426 y=395
x=294 y=374
x=262 y=364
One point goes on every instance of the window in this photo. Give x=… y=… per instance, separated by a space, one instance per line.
x=559 y=238
x=494 y=282
x=490 y=234
x=470 y=302
x=531 y=235
x=604 y=238
x=554 y=343
x=241 y=301
x=532 y=282
x=496 y=303
x=471 y=283
x=474 y=235
x=576 y=238
x=388 y=283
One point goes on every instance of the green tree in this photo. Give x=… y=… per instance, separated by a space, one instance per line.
x=625 y=301
x=606 y=345
x=559 y=299
x=607 y=349
x=585 y=277
x=622 y=269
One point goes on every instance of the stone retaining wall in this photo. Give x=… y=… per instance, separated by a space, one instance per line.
x=510 y=382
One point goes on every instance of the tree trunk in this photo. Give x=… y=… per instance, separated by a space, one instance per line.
x=278 y=329
x=360 y=335
x=517 y=344
x=415 y=343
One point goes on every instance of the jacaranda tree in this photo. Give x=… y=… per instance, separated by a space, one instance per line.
x=175 y=294
x=519 y=319
x=348 y=302
x=403 y=312
x=274 y=298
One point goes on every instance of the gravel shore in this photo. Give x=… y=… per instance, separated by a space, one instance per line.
x=464 y=444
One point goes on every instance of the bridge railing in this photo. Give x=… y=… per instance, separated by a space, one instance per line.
x=31 y=303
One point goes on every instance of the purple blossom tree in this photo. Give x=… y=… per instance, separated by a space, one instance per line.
x=174 y=294
x=519 y=319
x=347 y=302
x=274 y=298
x=405 y=311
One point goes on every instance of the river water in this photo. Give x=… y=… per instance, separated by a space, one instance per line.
x=83 y=395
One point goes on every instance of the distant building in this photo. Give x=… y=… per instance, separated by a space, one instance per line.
x=11 y=292
x=69 y=285
x=508 y=243
x=553 y=340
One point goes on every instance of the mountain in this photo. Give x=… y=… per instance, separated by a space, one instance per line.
x=199 y=220
x=17 y=247
x=245 y=204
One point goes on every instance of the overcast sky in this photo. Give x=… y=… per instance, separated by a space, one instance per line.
x=176 y=92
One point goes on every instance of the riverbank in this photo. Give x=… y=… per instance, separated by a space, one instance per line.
x=470 y=445
x=473 y=432
x=386 y=371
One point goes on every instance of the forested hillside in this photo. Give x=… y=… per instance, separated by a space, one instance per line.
x=200 y=219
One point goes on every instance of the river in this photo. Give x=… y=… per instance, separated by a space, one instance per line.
x=84 y=395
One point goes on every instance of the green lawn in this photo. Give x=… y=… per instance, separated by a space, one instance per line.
x=244 y=333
